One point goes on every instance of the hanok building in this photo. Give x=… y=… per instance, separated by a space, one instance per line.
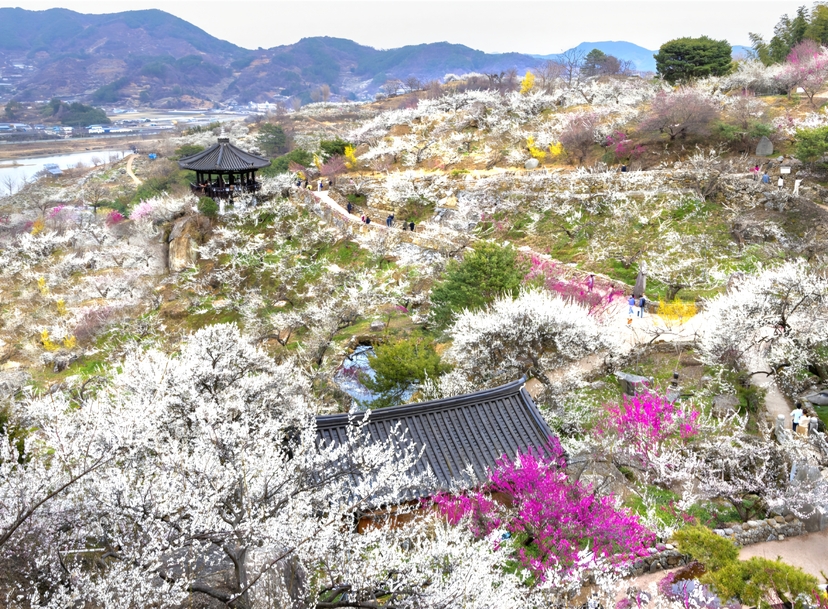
x=456 y=434
x=224 y=170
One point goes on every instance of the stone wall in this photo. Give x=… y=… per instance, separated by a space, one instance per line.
x=757 y=531
x=666 y=556
x=662 y=556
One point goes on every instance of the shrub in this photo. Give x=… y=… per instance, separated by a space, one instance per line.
x=711 y=550
x=208 y=207
x=811 y=144
x=758 y=581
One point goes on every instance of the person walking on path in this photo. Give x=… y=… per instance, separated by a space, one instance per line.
x=320 y=185
x=363 y=218
x=631 y=302
x=590 y=282
x=755 y=172
x=796 y=186
x=780 y=182
x=367 y=220
x=796 y=416
x=389 y=220
x=411 y=226
x=765 y=178
x=642 y=304
x=350 y=208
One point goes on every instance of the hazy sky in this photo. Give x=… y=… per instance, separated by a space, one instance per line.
x=540 y=26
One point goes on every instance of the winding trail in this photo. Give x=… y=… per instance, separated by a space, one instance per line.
x=808 y=552
x=129 y=171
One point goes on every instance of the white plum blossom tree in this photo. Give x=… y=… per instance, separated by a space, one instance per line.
x=531 y=334
x=202 y=474
x=781 y=314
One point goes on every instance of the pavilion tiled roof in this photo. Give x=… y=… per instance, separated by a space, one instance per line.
x=470 y=430
x=223 y=157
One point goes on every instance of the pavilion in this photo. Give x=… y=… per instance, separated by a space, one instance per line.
x=224 y=170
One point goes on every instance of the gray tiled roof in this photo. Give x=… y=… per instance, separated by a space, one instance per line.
x=223 y=157
x=474 y=429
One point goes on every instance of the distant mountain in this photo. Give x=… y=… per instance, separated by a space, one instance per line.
x=350 y=68
x=641 y=58
x=152 y=57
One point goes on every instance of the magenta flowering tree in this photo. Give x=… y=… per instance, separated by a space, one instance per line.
x=641 y=427
x=623 y=147
x=556 y=524
x=596 y=295
x=114 y=217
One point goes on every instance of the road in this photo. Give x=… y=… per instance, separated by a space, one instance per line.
x=130 y=172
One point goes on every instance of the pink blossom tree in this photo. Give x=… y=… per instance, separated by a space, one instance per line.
x=555 y=524
x=806 y=67
x=680 y=114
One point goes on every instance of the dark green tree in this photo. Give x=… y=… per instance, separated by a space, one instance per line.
x=685 y=59
x=398 y=366
x=593 y=62
x=12 y=108
x=483 y=275
x=186 y=150
x=333 y=147
x=787 y=34
x=272 y=138
x=811 y=144
x=280 y=165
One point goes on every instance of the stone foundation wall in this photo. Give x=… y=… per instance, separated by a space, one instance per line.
x=666 y=556
x=662 y=556
x=757 y=531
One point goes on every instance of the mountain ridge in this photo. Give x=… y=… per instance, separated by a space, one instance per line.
x=153 y=57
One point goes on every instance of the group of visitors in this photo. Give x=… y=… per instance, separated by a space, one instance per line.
x=637 y=306
x=389 y=221
x=319 y=186
x=804 y=415
x=780 y=181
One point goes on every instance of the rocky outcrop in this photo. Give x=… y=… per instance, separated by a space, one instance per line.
x=187 y=234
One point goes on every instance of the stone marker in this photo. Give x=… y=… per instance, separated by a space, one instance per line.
x=531 y=164
x=764 y=147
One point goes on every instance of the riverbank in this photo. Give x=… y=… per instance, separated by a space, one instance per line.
x=17 y=150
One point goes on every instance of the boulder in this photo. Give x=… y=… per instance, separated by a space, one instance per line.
x=724 y=405
x=377 y=326
x=531 y=164
x=187 y=234
x=764 y=147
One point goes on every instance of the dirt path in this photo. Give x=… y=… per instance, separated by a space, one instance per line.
x=808 y=552
x=129 y=170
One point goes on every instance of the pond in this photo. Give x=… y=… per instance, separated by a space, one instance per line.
x=348 y=374
x=23 y=170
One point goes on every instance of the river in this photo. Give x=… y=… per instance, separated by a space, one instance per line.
x=23 y=170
